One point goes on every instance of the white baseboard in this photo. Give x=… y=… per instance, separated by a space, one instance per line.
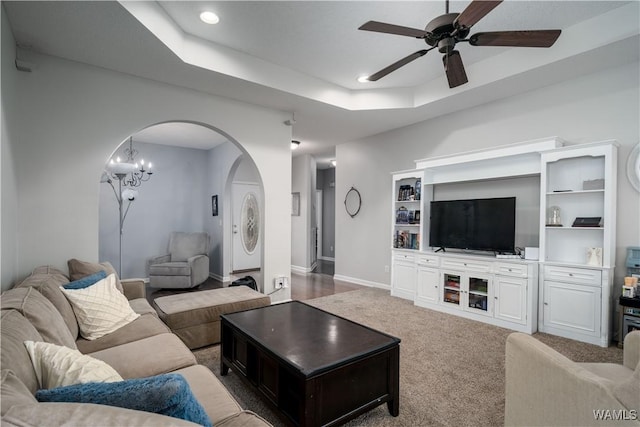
x=327 y=258
x=223 y=279
x=361 y=282
x=301 y=270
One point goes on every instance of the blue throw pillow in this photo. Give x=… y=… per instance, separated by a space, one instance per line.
x=167 y=394
x=86 y=281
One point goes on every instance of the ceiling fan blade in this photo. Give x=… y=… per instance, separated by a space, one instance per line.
x=533 y=38
x=381 y=27
x=404 y=61
x=454 y=69
x=475 y=12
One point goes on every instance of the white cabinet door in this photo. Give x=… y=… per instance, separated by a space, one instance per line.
x=572 y=307
x=404 y=280
x=428 y=279
x=511 y=299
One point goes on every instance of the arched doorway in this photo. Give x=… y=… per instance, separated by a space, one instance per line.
x=192 y=165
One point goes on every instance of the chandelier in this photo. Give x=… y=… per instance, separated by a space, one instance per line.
x=129 y=172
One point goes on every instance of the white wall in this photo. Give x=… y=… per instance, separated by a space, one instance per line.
x=9 y=203
x=596 y=107
x=300 y=180
x=222 y=161
x=71 y=117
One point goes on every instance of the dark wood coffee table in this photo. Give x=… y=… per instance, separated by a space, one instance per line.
x=317 y=368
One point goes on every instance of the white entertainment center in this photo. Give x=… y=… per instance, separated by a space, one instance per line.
x=566 y=291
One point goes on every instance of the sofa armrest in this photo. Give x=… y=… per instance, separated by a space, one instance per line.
x=543 y=387
x=134 y=288
x=632 y=350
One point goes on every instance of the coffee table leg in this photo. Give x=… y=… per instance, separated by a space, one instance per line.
x=224 y=369
x=394 y=381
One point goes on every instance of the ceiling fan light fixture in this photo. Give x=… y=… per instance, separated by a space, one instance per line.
x=209 y=17
x=363 y=79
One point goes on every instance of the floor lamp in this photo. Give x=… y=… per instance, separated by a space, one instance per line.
x=129 y=175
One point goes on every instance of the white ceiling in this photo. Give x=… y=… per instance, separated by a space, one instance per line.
x=303 y=57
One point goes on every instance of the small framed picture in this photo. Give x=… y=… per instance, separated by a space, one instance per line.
x=214 y=205
x=416 y=217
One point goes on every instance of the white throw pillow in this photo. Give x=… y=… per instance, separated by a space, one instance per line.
x=100 y=309
x=58 y=366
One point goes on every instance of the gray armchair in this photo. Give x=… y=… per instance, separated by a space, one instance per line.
x=185 y=266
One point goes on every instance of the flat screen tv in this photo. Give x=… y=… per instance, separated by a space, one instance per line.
x=475 y=224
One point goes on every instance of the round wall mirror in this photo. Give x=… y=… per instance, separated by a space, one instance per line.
x=352 y=202
x=633 y=167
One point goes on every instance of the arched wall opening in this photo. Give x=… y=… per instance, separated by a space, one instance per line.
x=69 y=129
x=193 y=165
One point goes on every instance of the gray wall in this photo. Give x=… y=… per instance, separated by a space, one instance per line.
x=526 y=191
x=326 y=183
x=595 y=107
x=176 y=198
x=303 y=181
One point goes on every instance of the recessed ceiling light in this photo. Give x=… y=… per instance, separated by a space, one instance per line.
x=363 y=79
x=209 y=17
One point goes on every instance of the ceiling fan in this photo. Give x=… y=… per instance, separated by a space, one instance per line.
x=446 y=30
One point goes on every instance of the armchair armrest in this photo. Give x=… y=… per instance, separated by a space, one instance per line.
x=632 y=350
x=543 y=387
x=134 y=288
x=199 y=265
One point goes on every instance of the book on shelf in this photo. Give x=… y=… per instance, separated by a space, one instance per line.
x=404 y=239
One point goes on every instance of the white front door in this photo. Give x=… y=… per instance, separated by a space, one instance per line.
x=247 y=214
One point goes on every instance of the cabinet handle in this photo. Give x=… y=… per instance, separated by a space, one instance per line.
x=510 y=270
x=495 y=297
x=570 y=274
x=546 y=303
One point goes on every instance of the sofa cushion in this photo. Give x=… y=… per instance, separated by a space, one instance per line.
x=13 y=391
x=167 y=394
x=147 y=325
x=86 y=281
x=79 y=269
x=210 y=392
x=155 y=355
x=86 y=414
x=15 y=330
x=41 y=313
x=56 y=366
x=47 y=280
x=142 y=306
x=100 y=308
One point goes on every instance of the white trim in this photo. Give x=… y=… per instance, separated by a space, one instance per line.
x=281 y=302
x=223 y=279
x=361 y=282
x=301 y=270
x=327 y=258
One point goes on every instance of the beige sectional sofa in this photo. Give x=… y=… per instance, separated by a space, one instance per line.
x=545 y=388
x=37 y=310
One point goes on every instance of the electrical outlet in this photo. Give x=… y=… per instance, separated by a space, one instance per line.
x=280 y=282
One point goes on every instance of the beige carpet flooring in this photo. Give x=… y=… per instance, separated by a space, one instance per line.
x=451 y=369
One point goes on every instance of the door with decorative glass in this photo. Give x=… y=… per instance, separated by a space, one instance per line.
x=246 y=213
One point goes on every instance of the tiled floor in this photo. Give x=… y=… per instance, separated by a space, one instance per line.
x=303 y=286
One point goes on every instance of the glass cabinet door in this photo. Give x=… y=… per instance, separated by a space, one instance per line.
x=451 y=288
x=478 y=293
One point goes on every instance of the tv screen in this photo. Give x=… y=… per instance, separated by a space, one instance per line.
x=475 y=224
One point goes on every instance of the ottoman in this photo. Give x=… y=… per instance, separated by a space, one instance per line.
x=195 y=316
